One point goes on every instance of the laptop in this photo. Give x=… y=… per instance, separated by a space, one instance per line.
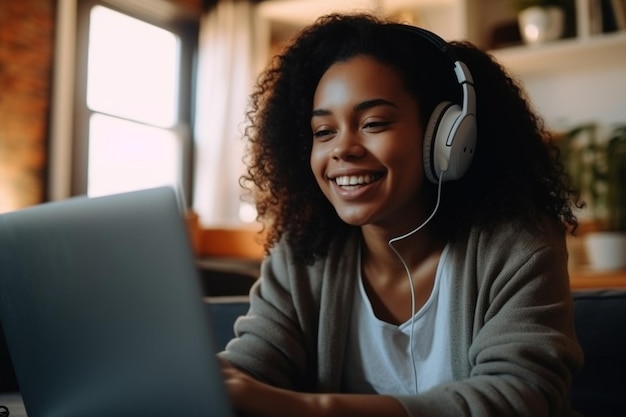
x=102 y=310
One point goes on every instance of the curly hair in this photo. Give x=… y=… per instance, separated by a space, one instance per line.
x=515 y=173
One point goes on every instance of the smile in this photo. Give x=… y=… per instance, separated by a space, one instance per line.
x=350 y=182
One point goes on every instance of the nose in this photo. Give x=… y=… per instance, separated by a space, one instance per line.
x=347 y=146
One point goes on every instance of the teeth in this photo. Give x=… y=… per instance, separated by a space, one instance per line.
x=356 y=179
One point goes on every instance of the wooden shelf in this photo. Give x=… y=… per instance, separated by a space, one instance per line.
x=574 y=54
x=242 y=242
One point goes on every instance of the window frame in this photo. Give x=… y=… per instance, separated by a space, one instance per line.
x=173 y=18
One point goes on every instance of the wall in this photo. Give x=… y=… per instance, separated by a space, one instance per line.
x=580 y=96
x=26 y=46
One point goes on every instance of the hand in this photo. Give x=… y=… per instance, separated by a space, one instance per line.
x=256 y=399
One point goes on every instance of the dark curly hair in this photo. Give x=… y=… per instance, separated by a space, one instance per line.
x=515 y=173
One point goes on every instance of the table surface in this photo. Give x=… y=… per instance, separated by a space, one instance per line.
x=584 y=279
x=13 y=401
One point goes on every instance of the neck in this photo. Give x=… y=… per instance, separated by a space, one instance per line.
x=385 y=275
x=413 y=249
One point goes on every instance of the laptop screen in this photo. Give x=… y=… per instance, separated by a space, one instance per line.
x=102 y=309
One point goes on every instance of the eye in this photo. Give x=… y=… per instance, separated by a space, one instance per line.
x=323 y=132
x=376 y=125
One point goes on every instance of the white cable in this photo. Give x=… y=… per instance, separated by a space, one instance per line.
x=408 y=273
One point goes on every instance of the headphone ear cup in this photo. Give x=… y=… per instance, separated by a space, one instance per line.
x=439 y=119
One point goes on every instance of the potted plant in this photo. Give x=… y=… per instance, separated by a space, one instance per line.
x=597 y=165
x=540 y=21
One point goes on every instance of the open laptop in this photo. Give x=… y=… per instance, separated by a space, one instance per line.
x=102 y=310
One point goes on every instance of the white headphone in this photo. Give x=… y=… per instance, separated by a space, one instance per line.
x=450 y=135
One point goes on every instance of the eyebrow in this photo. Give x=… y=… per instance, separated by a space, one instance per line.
x=368 y=104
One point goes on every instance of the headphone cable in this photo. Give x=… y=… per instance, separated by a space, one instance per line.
x=410 y=278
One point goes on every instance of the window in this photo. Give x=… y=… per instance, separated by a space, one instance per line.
x=133 y=114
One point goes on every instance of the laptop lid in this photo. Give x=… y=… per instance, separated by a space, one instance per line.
x=102 y=310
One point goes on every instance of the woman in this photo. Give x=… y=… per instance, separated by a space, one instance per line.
x=402 y=278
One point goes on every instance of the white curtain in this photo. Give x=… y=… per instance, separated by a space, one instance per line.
x=226 y=72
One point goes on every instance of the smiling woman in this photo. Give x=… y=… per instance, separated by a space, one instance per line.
x=416 y=218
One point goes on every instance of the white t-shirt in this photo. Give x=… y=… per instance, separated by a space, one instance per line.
x=378 y=354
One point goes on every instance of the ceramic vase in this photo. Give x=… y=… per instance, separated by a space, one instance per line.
x=606 y=250
x=540 y=24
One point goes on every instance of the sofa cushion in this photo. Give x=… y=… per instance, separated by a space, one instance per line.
x=599 y=389
x=224 y=311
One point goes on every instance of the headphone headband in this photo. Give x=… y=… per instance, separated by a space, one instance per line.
x=450 y=136
x=436 y=40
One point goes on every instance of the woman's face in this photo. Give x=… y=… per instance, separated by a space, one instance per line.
x=367 y=144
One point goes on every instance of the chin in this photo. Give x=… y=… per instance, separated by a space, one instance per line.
x=354 y=219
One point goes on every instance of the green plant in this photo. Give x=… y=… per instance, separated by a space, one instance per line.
x=617 y=178
x=520 y=5
x=597 y=166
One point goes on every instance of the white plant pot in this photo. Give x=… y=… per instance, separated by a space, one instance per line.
x=541 y=24
x=606 y=250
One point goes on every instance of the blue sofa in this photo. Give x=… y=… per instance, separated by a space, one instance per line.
x=598 y=390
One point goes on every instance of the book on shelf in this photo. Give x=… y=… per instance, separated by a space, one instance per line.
x=606 y=16
x=619 y=11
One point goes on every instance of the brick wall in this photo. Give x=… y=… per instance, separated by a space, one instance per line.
x=26 y=44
